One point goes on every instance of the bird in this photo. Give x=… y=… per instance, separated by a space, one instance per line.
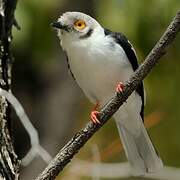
x=100 y=61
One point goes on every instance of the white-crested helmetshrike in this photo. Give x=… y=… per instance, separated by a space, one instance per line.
x=100 y=61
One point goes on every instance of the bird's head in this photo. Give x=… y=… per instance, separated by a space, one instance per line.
x=75 y=26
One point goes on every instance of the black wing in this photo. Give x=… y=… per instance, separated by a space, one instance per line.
x=127 y=47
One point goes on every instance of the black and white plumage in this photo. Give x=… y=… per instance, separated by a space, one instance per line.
x=98 y=60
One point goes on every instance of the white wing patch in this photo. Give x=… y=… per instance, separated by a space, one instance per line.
x=132 y=48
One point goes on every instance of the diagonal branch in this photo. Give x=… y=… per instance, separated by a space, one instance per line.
x=76 y=143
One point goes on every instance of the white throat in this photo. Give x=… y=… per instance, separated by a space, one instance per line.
x=71 y=40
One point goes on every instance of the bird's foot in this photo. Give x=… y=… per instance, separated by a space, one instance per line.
x=94 y=114
x=119 y=87
x=94 y=118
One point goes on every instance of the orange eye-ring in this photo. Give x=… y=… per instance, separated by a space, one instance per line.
x=79 y=24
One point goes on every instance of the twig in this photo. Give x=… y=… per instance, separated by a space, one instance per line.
x=74 y=145
x=118 y=170
x=36 y=148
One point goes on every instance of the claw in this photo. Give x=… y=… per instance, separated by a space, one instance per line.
x=94 y=114
x=94 y=118
x=119 y=87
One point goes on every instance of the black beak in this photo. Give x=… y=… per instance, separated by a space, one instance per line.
x=58 y=25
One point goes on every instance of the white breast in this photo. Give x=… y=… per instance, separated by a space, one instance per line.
x=98 y=65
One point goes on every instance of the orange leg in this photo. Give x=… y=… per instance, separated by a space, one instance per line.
x=94 y=114
x=119 y=87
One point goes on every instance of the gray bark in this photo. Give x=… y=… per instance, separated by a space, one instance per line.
x=9 y=164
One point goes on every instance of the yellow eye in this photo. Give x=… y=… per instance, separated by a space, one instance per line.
x=79 y=24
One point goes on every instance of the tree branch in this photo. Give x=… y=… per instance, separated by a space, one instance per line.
x=76 y=143
x=9 y=164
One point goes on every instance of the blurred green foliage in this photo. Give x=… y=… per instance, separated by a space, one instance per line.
x=143 y=22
